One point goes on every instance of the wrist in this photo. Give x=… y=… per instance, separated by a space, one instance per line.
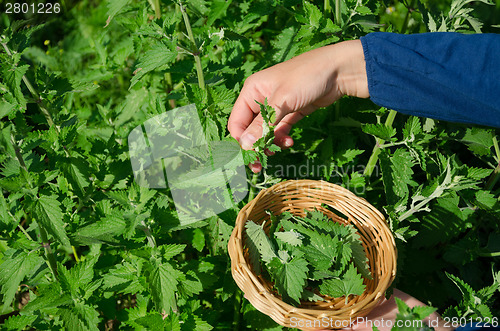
x=349 y=61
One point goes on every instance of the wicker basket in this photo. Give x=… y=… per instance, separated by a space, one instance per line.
x=295 y=196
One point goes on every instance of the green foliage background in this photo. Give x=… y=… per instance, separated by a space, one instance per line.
x=84 y=248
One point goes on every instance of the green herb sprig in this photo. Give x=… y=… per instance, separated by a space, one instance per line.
x=310 y=256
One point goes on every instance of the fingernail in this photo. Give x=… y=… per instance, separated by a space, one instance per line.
x=247 y=141
x=288 y=143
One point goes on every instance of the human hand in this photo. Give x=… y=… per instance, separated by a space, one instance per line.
x=384 y=315
x=296 y=88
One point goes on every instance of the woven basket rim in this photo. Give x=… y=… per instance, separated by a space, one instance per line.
x=287 y=195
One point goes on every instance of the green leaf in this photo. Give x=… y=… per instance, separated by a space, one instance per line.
x=48 y=296
x=12 y=77
x=6 y=108
x=322 y=250
x=397 y=173
x=218 y=9
x=289 y=278
x=350 y=284
x=131 y=107
x=104 y=230
x=359 y=257
x=259 y=245
x=159 y=57
x=114 y=7
x=478 y=140
x=194 y=322
x=80 y=317
x=422 y=312
x=47 y=211
x=486 y=199
x=124 y=277
x=163 y=286
x=15 y=267
x=290 y=237
x=76 y=171
x=198 y=239
x=19 y=322
x=412 y=127
x=381 y=131
x=169 y=251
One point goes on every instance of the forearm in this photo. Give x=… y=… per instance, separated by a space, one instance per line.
x=446 y=76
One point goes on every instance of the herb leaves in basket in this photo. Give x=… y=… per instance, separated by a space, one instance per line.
x=308 y=256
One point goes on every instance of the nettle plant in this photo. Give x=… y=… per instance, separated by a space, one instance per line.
x=310 y=256
x=82 y=247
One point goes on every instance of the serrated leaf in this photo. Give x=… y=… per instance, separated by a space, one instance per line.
x=322 y=250
x=19 y=322
x=311 y=296
x=104 y=230
x=290 y=237
x=478 y=173
x=169 y=251
x=114 y=7
x=467 y=291
x=421 y=312
x=486 y=199
x=47 y=211
x=289 y=278
x=158 y=58
x=195 y=322
x=6 y=108
x=478 y=140
x=381 y=131
x=12 y=77
x=397 y=173
x=198 y=240
x=163 y=285
x=124 y=277
x=360 y=259
x=412 y=127
x=80 y=317
x=14 y=268
x=152 y=321
x=259 y=245
x=48 y=297
x=76 y=171
x=350 y=284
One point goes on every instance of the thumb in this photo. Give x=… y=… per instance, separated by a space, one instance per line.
x=252 y=133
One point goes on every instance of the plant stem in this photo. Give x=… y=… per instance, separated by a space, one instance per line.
x=157 y=8
x=195 y=50
x=251 y=194
x=496 y=173
x=51 y=259
x=328 y=8
x=489 y=254
x=237 y=310
x=75 y=254
x=404 y=27
x=372 y=162
x=20 y=159
x=149 y=235
x=23 y=230
x=337 y=12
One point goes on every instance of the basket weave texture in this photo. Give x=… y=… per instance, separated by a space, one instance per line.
x=295 y=196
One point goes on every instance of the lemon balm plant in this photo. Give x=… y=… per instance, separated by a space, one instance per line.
x=82 y=247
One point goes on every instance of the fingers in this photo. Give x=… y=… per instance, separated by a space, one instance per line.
x=245 y=109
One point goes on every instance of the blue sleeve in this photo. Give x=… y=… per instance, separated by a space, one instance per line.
x=441 y=75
